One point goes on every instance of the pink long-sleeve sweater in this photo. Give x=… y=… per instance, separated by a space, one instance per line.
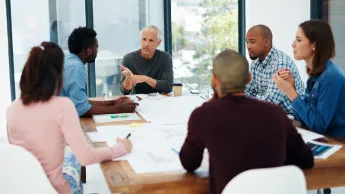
x=45 y=128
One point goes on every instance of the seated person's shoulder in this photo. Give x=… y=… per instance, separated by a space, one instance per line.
x=63 y=101
x=73 y=66
x=281 y=57
x=131 y=55
x=164 y=54
x=333 y=74
x=209 y=107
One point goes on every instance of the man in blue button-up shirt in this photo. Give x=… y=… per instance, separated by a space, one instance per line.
x=267 y=60
x=83 y=47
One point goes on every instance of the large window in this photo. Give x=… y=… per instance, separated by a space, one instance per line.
x=334 y=14
x=200 y=30
x=118 y=24
x=35 y=21
x=5 y=97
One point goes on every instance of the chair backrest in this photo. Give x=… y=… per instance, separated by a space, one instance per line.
x=282 y=180
x=21 y=172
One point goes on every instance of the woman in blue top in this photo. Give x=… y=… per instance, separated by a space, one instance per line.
x=322 y=109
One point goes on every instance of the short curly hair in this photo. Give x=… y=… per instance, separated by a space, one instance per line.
x=81 y=38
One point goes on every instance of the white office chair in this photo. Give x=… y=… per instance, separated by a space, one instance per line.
x=21 y=172
x=282 y=180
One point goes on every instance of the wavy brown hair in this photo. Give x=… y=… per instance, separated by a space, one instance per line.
x=42 y=74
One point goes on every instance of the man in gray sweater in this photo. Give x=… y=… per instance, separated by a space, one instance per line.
x=148 y=69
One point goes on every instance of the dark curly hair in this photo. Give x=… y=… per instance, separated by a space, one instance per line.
x=81 y=38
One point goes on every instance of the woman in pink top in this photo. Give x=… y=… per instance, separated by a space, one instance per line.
x=44 y=123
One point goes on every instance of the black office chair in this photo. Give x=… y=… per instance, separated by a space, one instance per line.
x=327 y=191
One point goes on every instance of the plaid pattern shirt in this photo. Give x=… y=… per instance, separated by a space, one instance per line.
x=262 y=87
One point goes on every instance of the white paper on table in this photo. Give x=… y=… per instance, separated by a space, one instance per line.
x=101 y=137
x=176 y=142
x=308 y=135
x=137 y=95
x=105 y=118
x=176 y=128
x=172 y=110
x=322 y=150
x=116 y=129
x=151 y=161
x=144 y=137
x=111 y=132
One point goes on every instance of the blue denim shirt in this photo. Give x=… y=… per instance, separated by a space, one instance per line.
x=323 y=107
x=74 y=83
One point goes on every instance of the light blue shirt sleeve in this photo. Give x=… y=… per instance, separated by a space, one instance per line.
x=318 y=118
x=75 y=87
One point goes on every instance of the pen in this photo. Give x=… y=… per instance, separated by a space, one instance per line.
x=129 y=134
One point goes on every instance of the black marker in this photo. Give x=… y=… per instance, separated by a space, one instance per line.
x=129 y=134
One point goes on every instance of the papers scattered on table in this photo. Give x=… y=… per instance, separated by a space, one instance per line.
x=157 y=160
x=152 y=96
x=172 y=110
x=177 y=134
x=155 y=147
x=321 y=150
x=308 y=135
x=111 y=132
x=115 y=117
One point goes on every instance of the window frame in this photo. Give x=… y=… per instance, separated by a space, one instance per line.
x=91 y=71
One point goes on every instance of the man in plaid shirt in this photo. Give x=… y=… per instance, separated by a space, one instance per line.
x=267 y=60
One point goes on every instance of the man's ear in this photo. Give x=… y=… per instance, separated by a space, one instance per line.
x=89 y=51
x=266 y=43
x=215 y=81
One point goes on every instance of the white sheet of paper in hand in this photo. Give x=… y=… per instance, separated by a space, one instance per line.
x=308 y=135
x=105 y=118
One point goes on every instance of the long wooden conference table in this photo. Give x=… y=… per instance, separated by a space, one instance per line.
x=121 y=178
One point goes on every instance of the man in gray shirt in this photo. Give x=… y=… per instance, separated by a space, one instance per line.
x=148 y=69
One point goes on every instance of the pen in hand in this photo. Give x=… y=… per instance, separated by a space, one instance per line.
x=128 y=135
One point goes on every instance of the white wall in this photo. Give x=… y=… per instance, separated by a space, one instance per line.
x=5 y=97
x=283 y=18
